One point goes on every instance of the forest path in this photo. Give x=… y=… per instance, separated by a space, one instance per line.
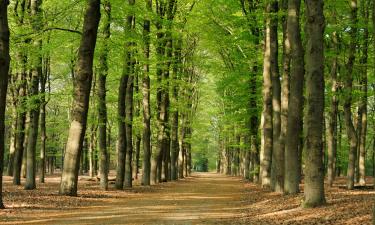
x=204 y=198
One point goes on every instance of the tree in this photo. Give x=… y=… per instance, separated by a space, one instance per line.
x=292 y=154
x=129 y=71
x=348 y=82
x=362 y=109
x=146 y=99
x=102 y=107
x=270 y=68
x=82 y=86
x=285 y=80
x=314 y=171
x=4 y=74
x=36 y=73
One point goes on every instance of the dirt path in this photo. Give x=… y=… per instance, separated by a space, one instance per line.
x=205 y=198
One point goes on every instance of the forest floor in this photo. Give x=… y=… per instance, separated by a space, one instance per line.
x=203 y=198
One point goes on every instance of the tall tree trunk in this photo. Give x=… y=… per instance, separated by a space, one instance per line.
x=91 y=150
x=102 y=106
x=4 y=70
x=138 y=136
x=175 y=113
x=181 y=154
x=129 y=71
x=25 y=142
x=348 y=82
x=43 y=132
x=12 y=145
x=294 y=129
x=36 y=73
x=332 y=121
x=146 y=101
x=82 y=87
x=365 y=11
x=121 y=143
x=277 y=172
x=314 y=171
x=270 y=62
x=284 y=86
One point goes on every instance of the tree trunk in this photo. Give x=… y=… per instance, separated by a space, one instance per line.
x=146 y=170
x=277 y=168
x=285 y=80
x=348 y=82
x=36 y=73
x=102 y=107
x=294 y=129
x=4 y=71
x=365 y=5
x=332 y=121
x=43 y=132
x=91 y=150
x=25 y=142
x=181 y=154
x=246 y=163
x=129 y=71
x=314 y=171
x=12 y=147
x=82 y=86
x=270 y=62
x=121 y=143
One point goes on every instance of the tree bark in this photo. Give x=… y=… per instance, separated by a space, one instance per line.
x=362 y=112
x=332 y=121
x=129 y=71
x=92 y=149
x=314 y=170
x=284 y=87
x=82 y=87
x=36 y=73
x=270 y=62
x=121 y=143
x=294 y=129
x=4 y=74
x=348 y=82
x=146 y=101
x=43 y=132
x=277 y=167
x=12 y=145
x=102 y=106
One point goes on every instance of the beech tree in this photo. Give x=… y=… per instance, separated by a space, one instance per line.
x=314 y=171
x=294 y=129
x=82 y=86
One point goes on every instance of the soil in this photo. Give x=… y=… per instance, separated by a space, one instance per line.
x=203 y=198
